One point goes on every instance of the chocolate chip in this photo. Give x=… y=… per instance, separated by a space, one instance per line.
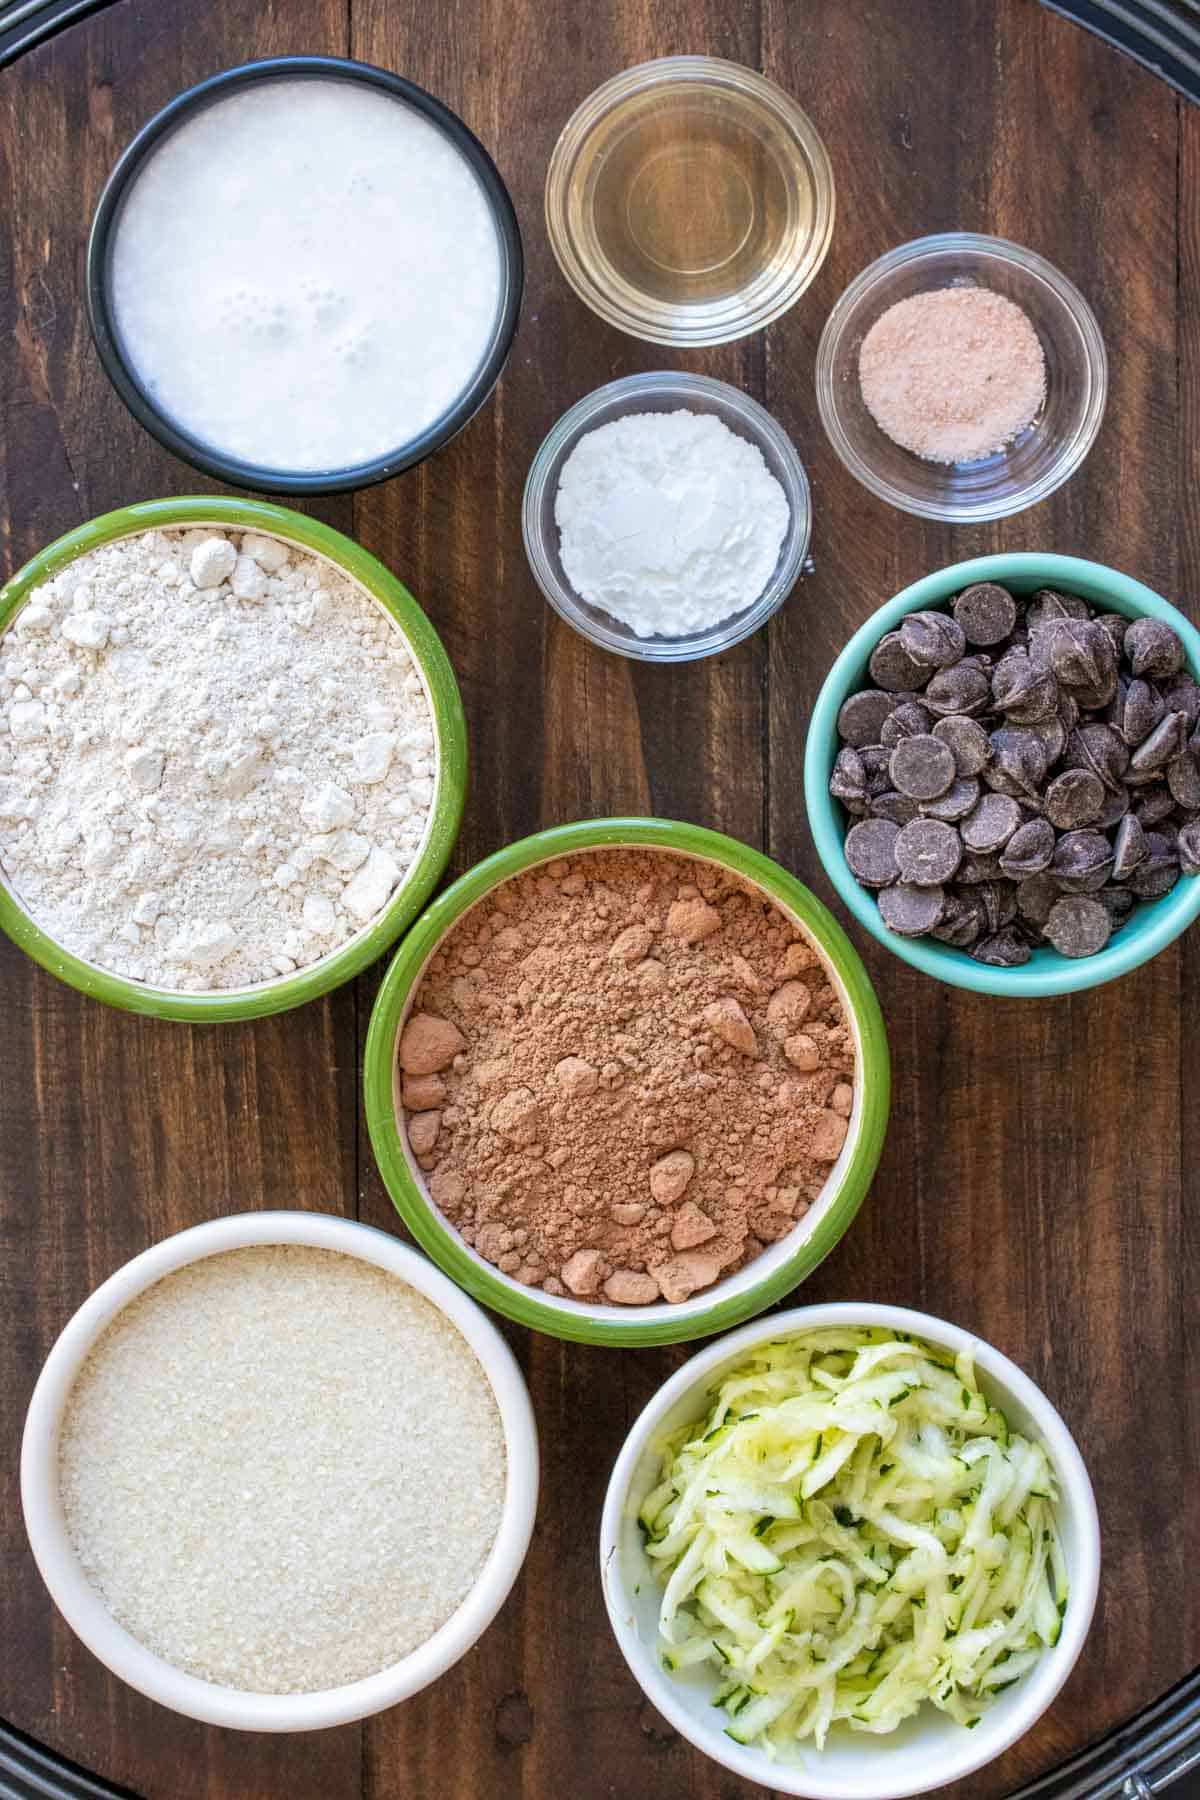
x=962 y=689
x=1115 y=625
x=1099 y=748
x=860 y=719
x=911 y=911
x=1113 y=811
x=922 y=767
x=1118 y=903
x=1035 y=897
x=870 y=851
x=1136 y=710
x=1049 y=604
x=1018 y=765
x=1023 y=690
x=893 y=668
x=1152 y=648
x=896 y=807
x=933 y=639
x=1188 y=846
x=999 y=902
x=955 y=803
x=1078 y=926
x=928 y=852
x=1081 y=656
x=1154 y=806
x=1183 y=779
x=978 y=866
x=1074 y=798
x=1182 y=694
x=875 y=760
x=1083 y=861
x=990 y=825
x=908 y=720
x=961 y=922
x=1129 y=847
x=1051 y=734
x=968 y=741
x=848 y=781
x=1158 y=870
x=1167 y=741
x=1029 y=850
x=987 y=613
x=1003 y=950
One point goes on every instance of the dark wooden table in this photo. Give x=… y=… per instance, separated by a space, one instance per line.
x=1037 y=1184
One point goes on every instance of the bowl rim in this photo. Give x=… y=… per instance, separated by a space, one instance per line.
x=995 y=1366
x=281 y=993
x=1121 y=593
x=721 y=72
x=1072 y=452
x=124 y=377
x=82 y=1607
x=606 y=1324
x=670 y=385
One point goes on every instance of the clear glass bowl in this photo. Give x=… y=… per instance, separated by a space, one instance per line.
x=662 y=393
x=1045 y=455
x=689 y=201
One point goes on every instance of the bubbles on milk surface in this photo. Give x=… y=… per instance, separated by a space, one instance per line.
x=306 y=275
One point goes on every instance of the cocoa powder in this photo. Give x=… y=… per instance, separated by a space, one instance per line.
x=624 y=1075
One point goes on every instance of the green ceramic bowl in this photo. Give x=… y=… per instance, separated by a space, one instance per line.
x=782 y=1265
x=1152 y=925
x=282 y=992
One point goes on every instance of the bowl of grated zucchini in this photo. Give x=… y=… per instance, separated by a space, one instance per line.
x=850 y=1551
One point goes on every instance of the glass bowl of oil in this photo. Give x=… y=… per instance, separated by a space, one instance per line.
x=689 y=201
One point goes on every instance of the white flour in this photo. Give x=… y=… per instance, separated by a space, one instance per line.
x=217 y=758
x=669 y=521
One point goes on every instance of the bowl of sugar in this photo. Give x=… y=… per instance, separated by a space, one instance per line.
x=347 y=1439
x=304 y=275
x=232 y=758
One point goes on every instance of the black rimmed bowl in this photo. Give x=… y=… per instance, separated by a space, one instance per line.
x=120 y=367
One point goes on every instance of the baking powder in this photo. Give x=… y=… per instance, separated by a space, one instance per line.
x=669 y=521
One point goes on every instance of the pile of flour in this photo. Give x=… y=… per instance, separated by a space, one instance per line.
x=217 y=758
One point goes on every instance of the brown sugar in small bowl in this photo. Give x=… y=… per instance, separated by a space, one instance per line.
x=781 y=1265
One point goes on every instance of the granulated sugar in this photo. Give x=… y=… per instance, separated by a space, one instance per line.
x=954 y=374
x=282 y=1469
x=217 y=758
x=626 y=1073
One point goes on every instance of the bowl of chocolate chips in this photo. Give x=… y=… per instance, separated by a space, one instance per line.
x=1002 y=774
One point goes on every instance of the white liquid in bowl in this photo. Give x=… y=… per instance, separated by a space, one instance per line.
x=306 y=275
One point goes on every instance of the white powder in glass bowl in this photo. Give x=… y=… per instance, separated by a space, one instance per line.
x=217 y=758
x=669 y=521
x=282 y=1469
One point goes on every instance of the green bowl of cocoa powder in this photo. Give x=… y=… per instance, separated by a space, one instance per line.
x=627 y=1081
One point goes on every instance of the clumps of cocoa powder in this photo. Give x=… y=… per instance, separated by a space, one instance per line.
x=624 y=1075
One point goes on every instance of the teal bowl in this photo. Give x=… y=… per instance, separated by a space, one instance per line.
x=782 y=1265
x=1152 y=925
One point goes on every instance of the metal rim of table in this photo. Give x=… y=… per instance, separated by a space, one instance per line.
x=1162 y=1744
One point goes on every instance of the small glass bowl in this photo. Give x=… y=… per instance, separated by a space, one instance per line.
x=689 y=201
x=1045 y=455
x=663 y=392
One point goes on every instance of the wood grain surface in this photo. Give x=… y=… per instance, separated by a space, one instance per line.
x=1038 y=1182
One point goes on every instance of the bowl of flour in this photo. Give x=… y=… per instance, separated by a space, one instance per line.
x=232 y=758
x=666 y=517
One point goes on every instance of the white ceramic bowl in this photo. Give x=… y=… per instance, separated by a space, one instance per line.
x=929 y=1750
x=83 y=1608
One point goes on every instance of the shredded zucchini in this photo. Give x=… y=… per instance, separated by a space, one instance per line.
x=850 y=1531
